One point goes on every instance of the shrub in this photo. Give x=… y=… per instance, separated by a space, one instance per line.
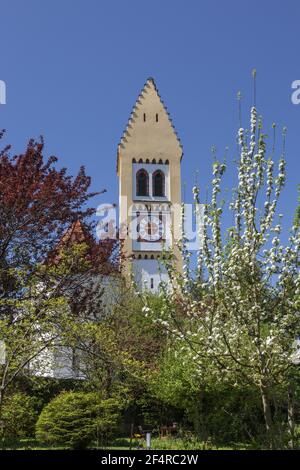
x=74 y=419
x=19 y=416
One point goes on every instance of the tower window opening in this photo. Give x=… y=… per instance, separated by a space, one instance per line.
x=144 y=117
x=156 y=117
x=138 y=222
x=142 y=183
x=151 y=283
x=158 y=181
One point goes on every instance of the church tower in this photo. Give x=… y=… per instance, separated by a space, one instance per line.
x=148 y=167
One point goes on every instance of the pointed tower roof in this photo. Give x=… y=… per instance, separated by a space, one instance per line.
x=149 y=104
x=102 y=254
x=74 y=234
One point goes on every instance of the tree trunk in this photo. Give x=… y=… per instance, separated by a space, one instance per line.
x=1 y=422
x=291 y=417
x=267 y=413
x=199 y=419
x=1 y=401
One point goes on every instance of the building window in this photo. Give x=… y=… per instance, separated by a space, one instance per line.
x=144 y=117
x=156 y=117
x=151 y=283
x=158 y=182
x=142 y=183
x=138 y=223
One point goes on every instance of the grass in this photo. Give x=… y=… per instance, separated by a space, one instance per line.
x=124 y=444
x=172 y=444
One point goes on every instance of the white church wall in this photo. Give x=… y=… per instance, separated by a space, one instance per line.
x=147 y=246
x=149 y=274
x=61 y=362
x=57 y=362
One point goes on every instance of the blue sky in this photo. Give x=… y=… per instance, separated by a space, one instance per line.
x=74 y=68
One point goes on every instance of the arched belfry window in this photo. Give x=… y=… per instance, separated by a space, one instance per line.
x=158 y=182
x=142 y=183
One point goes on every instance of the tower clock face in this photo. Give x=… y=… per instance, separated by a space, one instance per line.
x=150 y=228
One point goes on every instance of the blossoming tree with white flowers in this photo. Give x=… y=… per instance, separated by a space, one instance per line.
x=237 y=317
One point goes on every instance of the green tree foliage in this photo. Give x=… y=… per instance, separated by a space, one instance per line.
x=222 y=413
x=120 y=353
x=121 y=348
